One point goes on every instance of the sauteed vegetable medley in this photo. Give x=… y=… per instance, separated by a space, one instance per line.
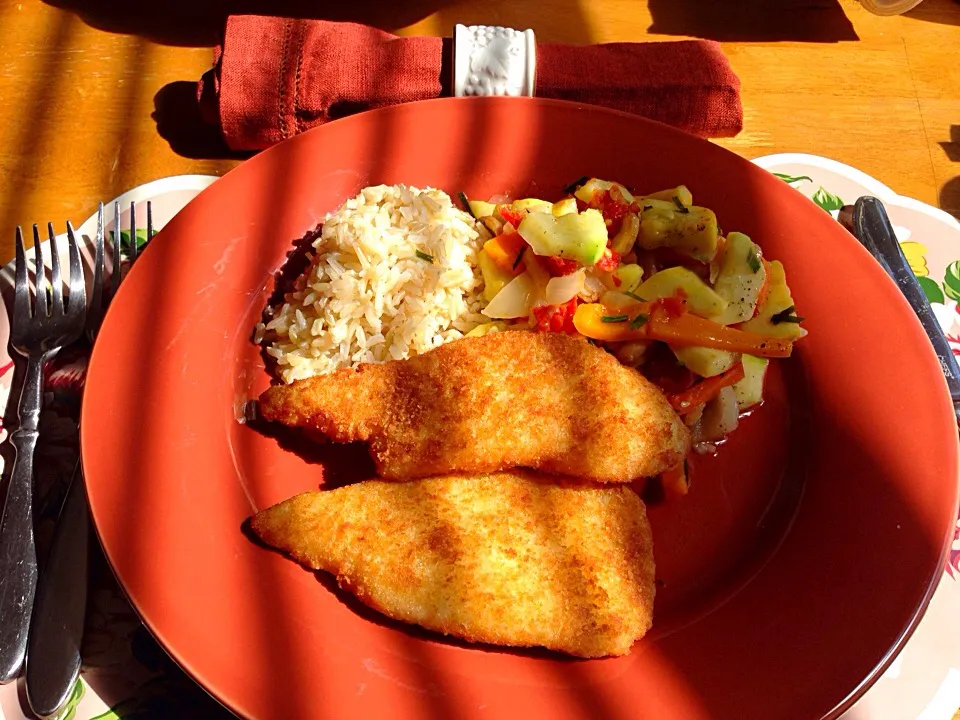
x=654 y=280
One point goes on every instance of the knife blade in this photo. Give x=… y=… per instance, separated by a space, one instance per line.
x=56 y=628
x=872 y=228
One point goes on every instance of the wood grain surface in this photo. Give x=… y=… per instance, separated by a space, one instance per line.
x=98 y=94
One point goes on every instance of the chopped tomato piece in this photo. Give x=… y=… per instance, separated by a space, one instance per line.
x=560 y=266
x=673 y=306
x=613 y=208
x=514 y=217
x=609 y=261
x=542 y=314
x=568 y=327
x=556 y=318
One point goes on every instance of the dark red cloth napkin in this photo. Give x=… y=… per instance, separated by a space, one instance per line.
x=276 y=77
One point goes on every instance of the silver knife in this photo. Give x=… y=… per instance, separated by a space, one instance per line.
x=56 y=628
x=871 y=226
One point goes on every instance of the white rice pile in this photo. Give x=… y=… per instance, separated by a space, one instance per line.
x=368 y=296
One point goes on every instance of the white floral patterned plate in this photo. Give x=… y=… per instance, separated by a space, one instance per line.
x=924 y=681
x=124 y=673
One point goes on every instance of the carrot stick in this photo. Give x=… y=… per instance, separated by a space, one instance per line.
x=705 y=390
x=593 y=320
x=690 y=330
x=675 y=481
x=596 y=321
x=505 y=250
x=764 y=289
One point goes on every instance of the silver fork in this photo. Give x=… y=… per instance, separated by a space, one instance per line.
x=36 y=337
x=53 y=654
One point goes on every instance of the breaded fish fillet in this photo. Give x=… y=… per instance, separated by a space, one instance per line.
x=510 y=559
x=507 y=399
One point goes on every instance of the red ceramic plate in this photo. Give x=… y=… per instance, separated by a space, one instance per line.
x=799 y=563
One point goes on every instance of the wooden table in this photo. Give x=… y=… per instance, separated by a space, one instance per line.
x=81 y=82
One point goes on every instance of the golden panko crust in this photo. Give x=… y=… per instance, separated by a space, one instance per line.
x=508 y=399
x=511 y=559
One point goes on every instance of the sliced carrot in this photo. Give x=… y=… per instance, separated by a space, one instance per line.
x=688 y=330
x=508 y=214
x=505 y=250
x=705 y=390
x=601 y=323
x=764 y=289
x=675 y=481
x=651 y=321
x=721 y=246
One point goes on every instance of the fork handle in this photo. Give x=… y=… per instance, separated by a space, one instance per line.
x=56 y=631
x=18 y=551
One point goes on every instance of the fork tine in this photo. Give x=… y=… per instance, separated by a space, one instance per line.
x=21 y=291
x=96 y=292
x=78 y=289
x=40 y=308
x=56 y=279
x=117 y=260
x=133 y=233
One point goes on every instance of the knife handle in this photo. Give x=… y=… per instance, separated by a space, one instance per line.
x=18 y=548
x=56 y=629
x=873 y=229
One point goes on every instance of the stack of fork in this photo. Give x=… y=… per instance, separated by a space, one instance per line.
x=42 y=613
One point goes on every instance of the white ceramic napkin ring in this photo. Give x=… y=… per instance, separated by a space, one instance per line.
x=493 y=60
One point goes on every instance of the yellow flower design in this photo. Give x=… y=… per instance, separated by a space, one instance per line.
x=916 y=256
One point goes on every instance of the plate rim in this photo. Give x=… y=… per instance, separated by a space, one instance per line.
x=948 y=237
x=918 y=612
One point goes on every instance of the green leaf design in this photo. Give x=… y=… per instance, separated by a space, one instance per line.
x=931 y=290
x=827 y=200
x=790 y=179
x=125 y=238
x=951 y=281
x=69 y=711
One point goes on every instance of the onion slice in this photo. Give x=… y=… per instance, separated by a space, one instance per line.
x=563 y=289
x=513 y=300
x=593 y=288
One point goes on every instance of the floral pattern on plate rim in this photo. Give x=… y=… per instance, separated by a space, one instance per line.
x=939 y=280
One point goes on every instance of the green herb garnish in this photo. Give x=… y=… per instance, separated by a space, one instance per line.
x=753 y=260
x=466 y=204
x=787 y=316
x=630 y=293
x=519 y=257
x=572 y=187
x=423 y=256
x=639 y=321
x=680 y=206
x=613 y=318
